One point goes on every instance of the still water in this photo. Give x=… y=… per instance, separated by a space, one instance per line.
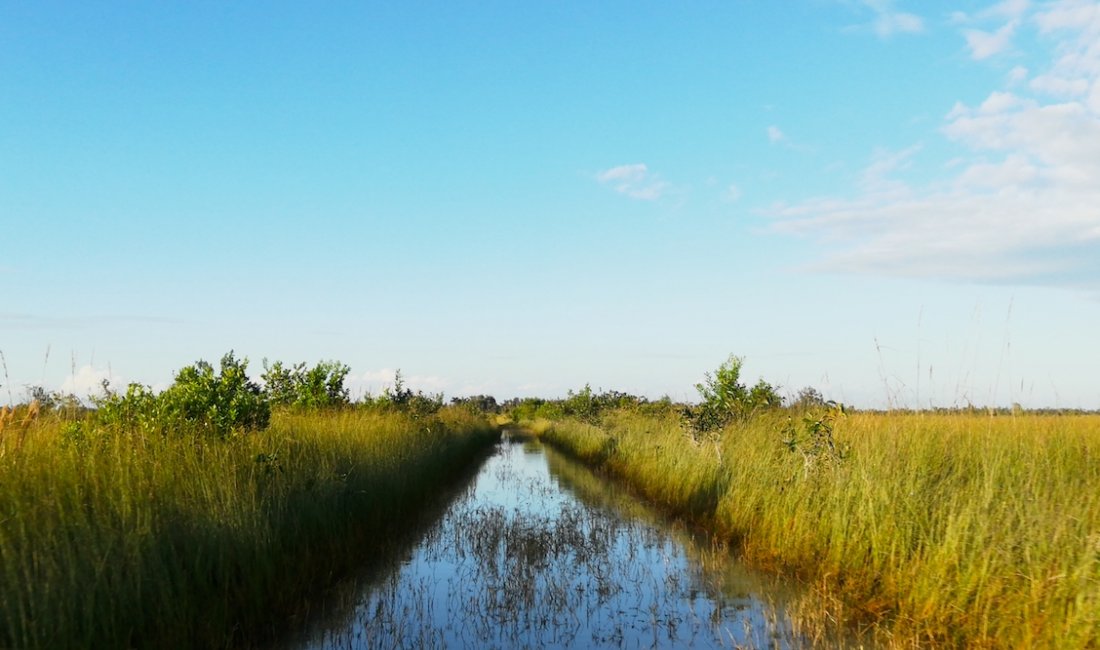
x=536 y=551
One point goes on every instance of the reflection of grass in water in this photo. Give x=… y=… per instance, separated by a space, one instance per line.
x=704 y=548
x=337 y=605
x=552 y=572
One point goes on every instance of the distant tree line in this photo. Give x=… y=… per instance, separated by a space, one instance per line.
x=224 y=400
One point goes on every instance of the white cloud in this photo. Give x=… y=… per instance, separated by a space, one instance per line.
x=1015 y=170
x=1094 y=97
x=1056 y=86
x=1022 y=204
x=1069 y=14
x=623 y=173
x=876 y=177
x=87 y=381
x=958 y=18
x=775 y=134
x=732 y=193
x=997 y=102
x=374 y=382
x=635 y=181
x=1017 y=75
x=888 y=20
x=898 y=23
x=1009 y=9
x=986 y=44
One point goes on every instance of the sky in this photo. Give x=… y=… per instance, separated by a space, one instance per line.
x=897 y=203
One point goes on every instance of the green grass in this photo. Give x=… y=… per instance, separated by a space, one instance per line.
x=949 y=529
x=178 y=541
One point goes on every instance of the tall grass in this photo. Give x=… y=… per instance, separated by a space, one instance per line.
x=941 y=529
x=182 y=541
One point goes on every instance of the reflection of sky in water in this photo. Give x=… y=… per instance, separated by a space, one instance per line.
x=541 y=553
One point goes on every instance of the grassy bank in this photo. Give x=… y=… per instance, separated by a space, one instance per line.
x=188 y=541
x=951 y=529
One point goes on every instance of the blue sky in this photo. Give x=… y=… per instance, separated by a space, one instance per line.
x=895 y=202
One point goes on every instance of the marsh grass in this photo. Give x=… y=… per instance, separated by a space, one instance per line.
x=183 y=541
x=935 y=529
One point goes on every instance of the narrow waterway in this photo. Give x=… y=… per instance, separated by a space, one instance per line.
x=539 y=552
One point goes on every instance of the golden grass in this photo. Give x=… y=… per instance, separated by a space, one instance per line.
x=20 y=419
x=952 y=529
x=123 y=541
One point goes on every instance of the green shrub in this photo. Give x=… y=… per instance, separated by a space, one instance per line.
x=138 y=410
x=403 y=399
x=726 y=399
x=199 y=401
x=216 y=403
x=583 y=405
x=478 y=404
x=308 y=388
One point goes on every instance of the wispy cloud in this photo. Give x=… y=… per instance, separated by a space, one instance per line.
x=1006 y=17
x=1023 y=204
x=635 y=181
x=777 y=136
x=887 y=20
x=984 y=44
x=13 y=320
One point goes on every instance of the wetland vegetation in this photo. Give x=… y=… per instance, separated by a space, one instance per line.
x=198 y=517
x=952 y=528
x=224 y=512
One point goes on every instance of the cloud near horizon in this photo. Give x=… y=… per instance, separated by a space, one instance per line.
x=88 y=380
x=1023 y=204
x=374 y=382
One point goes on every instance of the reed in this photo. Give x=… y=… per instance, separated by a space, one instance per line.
x=184 y=541
x=943 y=529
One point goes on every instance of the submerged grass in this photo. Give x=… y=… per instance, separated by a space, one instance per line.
x=938 y=529
x=545 y=553
x=163 y=541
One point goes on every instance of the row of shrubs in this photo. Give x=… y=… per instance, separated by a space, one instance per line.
x=724 y=398
x=224 y=401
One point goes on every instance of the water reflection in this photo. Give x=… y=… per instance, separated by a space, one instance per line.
x=539 y=552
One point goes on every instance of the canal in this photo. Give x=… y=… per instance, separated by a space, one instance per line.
x=537 y=551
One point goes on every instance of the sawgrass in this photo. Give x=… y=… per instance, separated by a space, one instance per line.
x=117 y=540
x=941 y=529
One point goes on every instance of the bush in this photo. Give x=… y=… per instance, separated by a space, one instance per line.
x=135 y=411
x=808 y=398
x=199 y=401
x=583 y=405
x=402 y=399
x=477 y=404
x=307 y=388
x=531 y=408
x=216 y=403
x=725 y=398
